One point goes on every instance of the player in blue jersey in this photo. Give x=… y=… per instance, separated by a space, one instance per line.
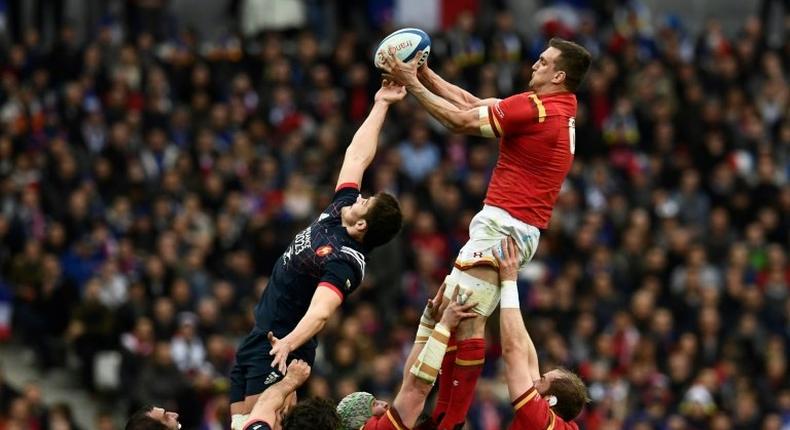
x=324 y=264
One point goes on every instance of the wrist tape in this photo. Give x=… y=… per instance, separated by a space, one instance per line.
x=425 y=329
x=509 y=291
x=429 y=361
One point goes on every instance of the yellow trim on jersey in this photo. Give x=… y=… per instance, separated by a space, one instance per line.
x=480 y=261
x=485 y=122
x=525 y=400
x=393 y=420
x=553 y=420
x=461 y=362
x=539 y=105
x=451 y=348
x=498 y=127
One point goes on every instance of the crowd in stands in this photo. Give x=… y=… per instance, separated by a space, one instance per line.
x=150 y=176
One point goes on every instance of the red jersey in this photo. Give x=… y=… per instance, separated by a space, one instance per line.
x=538 y=139
x=533 y=413
x=389 y=421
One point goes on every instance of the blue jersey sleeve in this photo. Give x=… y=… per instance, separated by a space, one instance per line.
x=341 y=276
x=345 y=195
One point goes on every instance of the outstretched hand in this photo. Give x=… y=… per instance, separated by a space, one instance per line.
x=280 y=350
x=400 y=71
x=390 y=92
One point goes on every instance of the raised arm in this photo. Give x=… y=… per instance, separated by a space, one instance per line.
x=458 y=119
x=271 y=401
x=362 y=150
x=418 y=379
x=456 y=95
x=324 y=303
x=518 y=350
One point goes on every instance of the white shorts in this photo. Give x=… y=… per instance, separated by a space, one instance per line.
x=486 y=231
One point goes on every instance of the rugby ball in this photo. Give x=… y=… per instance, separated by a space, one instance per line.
x=407 y=42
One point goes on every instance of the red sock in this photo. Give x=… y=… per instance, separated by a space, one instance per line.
x=468 y=366
x=445 y=380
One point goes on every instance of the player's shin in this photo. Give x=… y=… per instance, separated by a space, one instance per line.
x=468 y=367
x=445 y=381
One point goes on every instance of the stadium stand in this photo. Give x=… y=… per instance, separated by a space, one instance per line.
x=152 y=169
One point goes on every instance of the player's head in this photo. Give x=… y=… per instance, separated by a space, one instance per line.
x=317 y=414
x=376 y=219
x=568 y=391
x=562 y=65
x=356 y=408
x=153 y=418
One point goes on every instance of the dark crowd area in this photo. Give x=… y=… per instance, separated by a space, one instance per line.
x=152 y=171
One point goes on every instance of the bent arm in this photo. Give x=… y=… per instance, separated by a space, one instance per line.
x=362 y=150
x=324 y=303
x=456 y=95
x=518 y=352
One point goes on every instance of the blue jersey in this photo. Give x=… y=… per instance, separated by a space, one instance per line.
x=322 y=254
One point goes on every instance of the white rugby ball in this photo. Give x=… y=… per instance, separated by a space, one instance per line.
x=407 y=42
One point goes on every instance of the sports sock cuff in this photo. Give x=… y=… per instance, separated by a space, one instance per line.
x=471 y=352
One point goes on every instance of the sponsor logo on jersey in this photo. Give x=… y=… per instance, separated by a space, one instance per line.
x=323 y=251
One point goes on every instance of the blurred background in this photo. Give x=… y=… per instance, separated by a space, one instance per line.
x=156 y=157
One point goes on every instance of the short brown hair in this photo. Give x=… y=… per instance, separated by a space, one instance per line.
x=315 y=413
x=141 y=421
x=571 y=394
x=574 y=60
x=384 y=221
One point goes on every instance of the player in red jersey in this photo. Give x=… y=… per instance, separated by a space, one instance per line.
x=536 y=146
x=430 y=352
x=547 y=402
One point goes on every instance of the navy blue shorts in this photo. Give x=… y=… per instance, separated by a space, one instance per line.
x=252 y=373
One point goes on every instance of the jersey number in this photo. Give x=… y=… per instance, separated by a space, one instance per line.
x=572 y=134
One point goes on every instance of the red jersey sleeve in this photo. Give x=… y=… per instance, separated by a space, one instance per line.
x=533 y=413
x=513 y=115
x=389 y=421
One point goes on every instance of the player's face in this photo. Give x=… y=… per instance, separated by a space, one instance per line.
x=379 y=407
x=543 y=384
x=361 y=207
x=543 y=70
x=169 y=419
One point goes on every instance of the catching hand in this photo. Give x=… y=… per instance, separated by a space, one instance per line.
x=398 y=71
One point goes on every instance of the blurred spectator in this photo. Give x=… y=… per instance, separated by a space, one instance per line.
x=155 y=161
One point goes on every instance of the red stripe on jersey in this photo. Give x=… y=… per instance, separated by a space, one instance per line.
x=353 y=185
x=333 y=288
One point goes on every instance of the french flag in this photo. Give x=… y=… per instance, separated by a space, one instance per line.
x=428 y=15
